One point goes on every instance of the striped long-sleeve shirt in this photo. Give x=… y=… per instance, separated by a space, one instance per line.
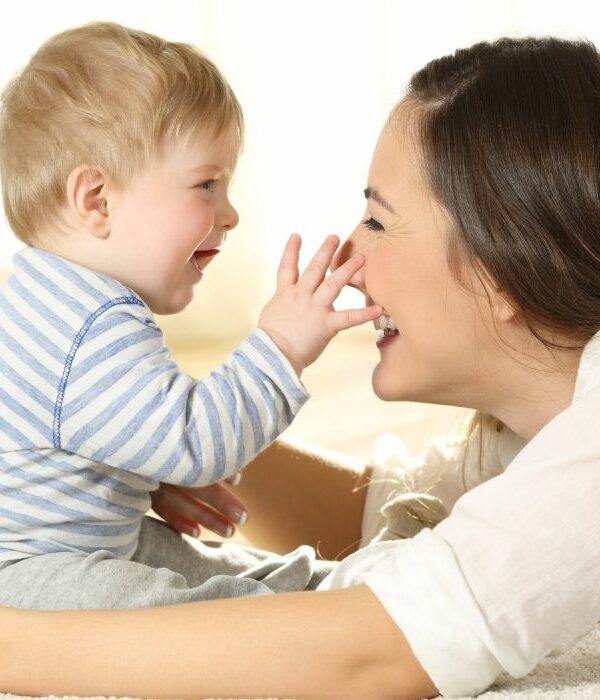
x=94 y=413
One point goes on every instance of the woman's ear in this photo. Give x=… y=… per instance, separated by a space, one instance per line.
x=86 y=197
x=504 y=309
x=502 y=305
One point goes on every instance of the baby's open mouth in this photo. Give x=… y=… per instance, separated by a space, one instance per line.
x=200 y=256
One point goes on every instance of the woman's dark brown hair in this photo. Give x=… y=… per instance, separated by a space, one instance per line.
x=509 y=133
x=510 y=136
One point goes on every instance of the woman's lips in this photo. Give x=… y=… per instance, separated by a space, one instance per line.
x=386 y=338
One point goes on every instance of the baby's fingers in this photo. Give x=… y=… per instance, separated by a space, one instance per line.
x=331 y=287
x=340 y=320
x=287 y=273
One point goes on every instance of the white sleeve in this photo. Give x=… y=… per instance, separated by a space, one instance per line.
x=125 y=403
x=511 y=575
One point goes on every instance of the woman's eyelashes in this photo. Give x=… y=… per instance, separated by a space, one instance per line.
x=373 y=224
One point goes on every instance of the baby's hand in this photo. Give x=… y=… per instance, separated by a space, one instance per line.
x=300 y=318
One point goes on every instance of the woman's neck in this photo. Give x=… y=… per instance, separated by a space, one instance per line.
x=527 y=395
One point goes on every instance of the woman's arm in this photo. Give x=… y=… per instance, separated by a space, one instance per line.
x=329 y=644
x=298 y=494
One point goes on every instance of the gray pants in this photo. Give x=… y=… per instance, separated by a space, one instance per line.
x=167 y=568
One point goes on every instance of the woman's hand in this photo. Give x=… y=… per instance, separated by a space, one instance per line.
x=214 y=507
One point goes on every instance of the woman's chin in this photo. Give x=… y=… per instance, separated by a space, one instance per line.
x=384 y=388
x=390 y=385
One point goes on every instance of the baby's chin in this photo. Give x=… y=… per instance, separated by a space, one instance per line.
x=169 y=306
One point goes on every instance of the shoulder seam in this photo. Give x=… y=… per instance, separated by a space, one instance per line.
x=71 y=355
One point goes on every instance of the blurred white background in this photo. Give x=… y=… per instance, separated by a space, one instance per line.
x=316 y=80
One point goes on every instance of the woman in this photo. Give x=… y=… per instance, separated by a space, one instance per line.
x=482 y=242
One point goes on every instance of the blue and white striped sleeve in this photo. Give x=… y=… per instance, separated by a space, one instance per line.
x=125 y=403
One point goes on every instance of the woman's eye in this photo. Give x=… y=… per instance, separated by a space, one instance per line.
x=207 y=185
x=373 y=224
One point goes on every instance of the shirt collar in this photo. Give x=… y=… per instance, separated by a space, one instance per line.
x=588 y=373
x=54 y=276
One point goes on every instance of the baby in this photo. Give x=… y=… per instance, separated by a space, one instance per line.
x=116 y=152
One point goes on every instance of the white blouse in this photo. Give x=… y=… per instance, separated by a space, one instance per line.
x=513 y=573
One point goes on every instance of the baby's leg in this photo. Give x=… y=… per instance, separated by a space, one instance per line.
x=160 y=546
x=69 y=581
x=177 y=570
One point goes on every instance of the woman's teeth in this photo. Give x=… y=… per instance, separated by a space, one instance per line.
x=387 y=325
x=384 y=323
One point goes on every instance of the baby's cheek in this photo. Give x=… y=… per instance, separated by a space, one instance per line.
x=202 y=223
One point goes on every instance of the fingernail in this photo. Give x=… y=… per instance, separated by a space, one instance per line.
x=238 y=515
x=224 y=530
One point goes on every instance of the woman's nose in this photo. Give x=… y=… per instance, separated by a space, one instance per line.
x=345 y=252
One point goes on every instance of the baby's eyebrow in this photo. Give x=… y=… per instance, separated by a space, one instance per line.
x=373 y=194
x=205 y=166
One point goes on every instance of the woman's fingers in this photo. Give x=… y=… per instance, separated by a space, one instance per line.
x=220 y=499
x=235 y=479
x=205 y=517
x=287 y=273
x=213 y=507
x=179 y=523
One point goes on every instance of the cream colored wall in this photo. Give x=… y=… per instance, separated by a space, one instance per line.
x=312 y=115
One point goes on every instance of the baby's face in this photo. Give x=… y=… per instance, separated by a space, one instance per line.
x=171 y=220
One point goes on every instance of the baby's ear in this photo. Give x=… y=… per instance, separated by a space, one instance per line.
x=86 y=185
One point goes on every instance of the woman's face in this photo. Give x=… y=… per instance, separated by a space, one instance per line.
x=438 y=354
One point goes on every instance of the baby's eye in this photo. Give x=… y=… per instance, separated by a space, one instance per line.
x=207 y=185
x=373 y=224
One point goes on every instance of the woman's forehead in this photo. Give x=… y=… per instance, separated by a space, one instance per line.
x=397 y=166
x=397 y=174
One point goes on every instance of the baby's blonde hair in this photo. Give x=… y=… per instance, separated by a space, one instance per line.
x=106 y=95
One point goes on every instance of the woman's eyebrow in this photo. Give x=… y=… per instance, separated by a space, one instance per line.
x=370 y=193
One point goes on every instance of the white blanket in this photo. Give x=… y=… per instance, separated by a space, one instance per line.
x=575 y=674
